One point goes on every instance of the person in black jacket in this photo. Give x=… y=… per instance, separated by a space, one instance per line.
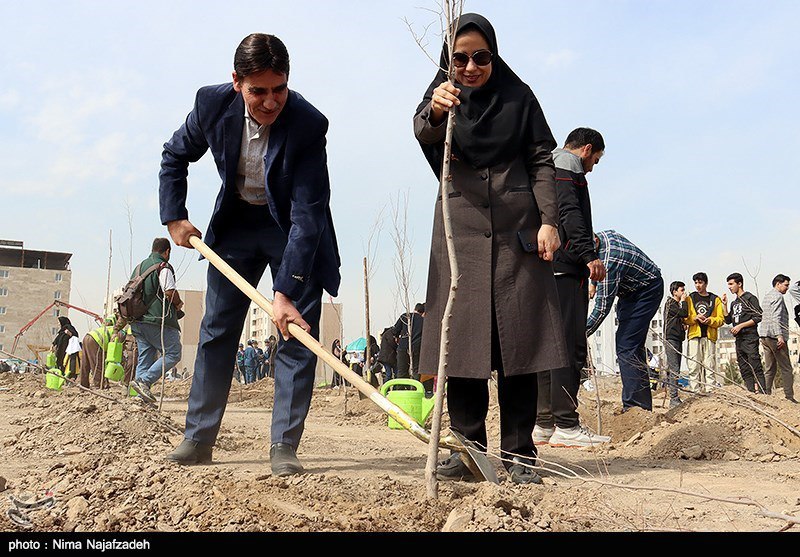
x=371 y=365
x=409 y=367
x=675 y=311
x=745 y=315
x=336 y=350
x=65 y=332
x=387 y=355
x=574 y=264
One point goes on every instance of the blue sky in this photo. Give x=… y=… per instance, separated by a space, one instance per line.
x=696 y=100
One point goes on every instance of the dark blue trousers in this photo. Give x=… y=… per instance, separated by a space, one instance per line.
x=249 y=243
x=634 y=313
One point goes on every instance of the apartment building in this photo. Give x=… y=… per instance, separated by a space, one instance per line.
x=30 y=280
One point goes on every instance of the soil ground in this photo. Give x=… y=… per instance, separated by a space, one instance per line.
x=103 y=462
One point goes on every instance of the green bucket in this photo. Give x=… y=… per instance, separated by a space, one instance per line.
x=114 y=354
x=54 y=380
x=412 y=402
x=114 y=371
x=50 y=360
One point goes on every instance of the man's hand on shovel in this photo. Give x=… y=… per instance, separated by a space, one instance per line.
x=284 y=312
x=181 y=231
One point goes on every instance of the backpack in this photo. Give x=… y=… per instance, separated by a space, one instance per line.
x=131 y=303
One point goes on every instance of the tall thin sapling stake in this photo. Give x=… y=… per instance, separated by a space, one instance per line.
x=449 y=17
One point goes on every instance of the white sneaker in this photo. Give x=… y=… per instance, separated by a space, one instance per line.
x=575 y=437
x=542 y=435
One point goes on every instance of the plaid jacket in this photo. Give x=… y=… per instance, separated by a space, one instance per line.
x=775 y=319
x=628 y=270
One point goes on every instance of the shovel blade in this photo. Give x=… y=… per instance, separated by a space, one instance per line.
x=476 y=460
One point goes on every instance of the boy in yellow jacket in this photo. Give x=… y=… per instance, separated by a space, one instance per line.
x=705 y=317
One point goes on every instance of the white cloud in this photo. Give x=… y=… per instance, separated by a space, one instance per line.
x=560 y=59
x=556 y=60
x=9 y=99
x=86 y=131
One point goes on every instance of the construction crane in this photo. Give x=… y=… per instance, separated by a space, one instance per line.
x=55 y=303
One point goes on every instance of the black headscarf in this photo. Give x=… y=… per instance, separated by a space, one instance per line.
x=494 y=122
x=66 y=325
x=62 y=339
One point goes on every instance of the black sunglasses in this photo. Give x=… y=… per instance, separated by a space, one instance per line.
x=480 y=57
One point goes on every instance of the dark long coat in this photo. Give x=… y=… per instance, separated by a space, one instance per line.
x=493 y=211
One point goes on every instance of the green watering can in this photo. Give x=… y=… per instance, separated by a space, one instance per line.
x=114 y=370
x=54 y=379
x=413 y=402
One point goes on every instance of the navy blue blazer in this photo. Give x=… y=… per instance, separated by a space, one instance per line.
x=296 y=171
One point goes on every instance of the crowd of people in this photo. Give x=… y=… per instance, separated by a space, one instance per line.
x=255 y=363
x=396 y=356
x=698 y=316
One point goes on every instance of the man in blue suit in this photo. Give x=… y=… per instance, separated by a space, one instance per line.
x=272 y=210
x=250 y=361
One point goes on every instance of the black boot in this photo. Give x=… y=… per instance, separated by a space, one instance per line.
x=521 y=472
x=283 y=460
x=453 y=469
x=191 y=452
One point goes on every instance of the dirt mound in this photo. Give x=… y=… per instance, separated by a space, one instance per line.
x=510 y=508
x=175 y=390
x=722 y=425
x=259 y=394
x=101 y=494
x=103 y=462
x=346 y=407
x=621 y=426
x=75 y=422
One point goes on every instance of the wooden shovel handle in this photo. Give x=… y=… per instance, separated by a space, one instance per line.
x=312 y=344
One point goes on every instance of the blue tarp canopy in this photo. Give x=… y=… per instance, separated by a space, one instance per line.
x=356 y=345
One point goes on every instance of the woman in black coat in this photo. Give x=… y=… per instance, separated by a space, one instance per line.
x=504 y=213
x=61 y=341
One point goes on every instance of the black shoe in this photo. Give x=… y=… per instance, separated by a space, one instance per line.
x=454 y=469
x=191 y=452
x=283 y=460
x=791 y=399
x=521 y=472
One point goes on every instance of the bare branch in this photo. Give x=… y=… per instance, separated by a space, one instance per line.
x=129 y=213
x=753 y=275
